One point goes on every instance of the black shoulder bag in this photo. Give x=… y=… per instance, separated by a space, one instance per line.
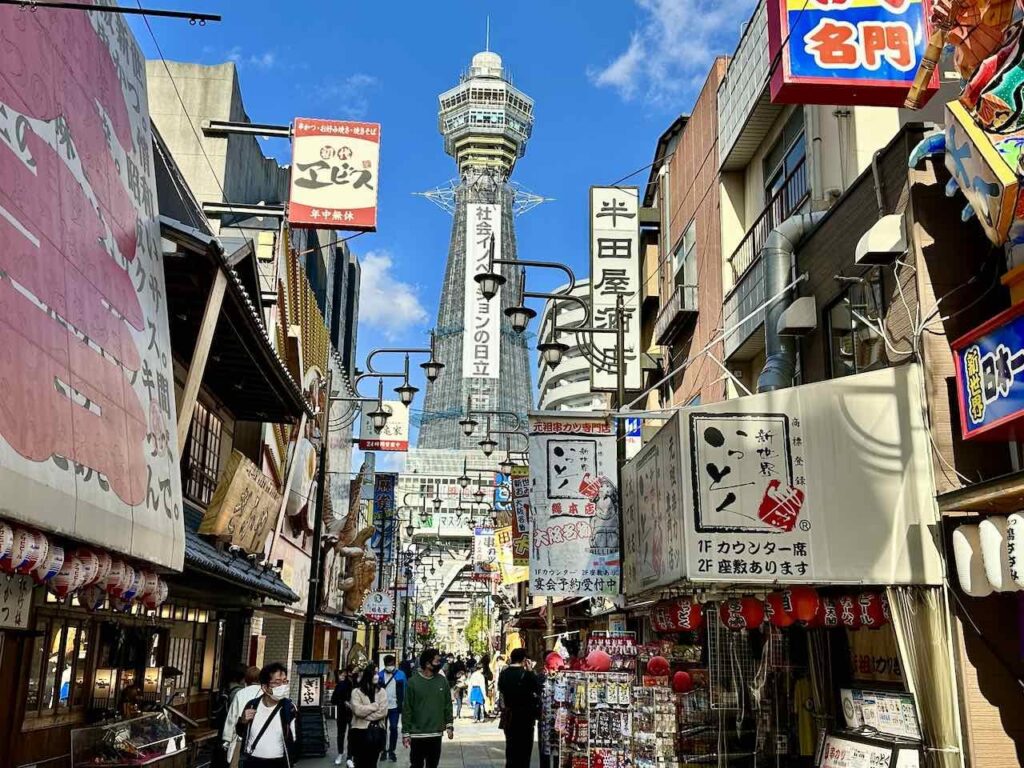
x=248 y=748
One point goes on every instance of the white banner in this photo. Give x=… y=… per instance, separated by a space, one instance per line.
x=822 y=483
x=652 y=514
x=574 y=498
x=395 y=435
x=485 y=555
x=615 y=271
x=481 y=337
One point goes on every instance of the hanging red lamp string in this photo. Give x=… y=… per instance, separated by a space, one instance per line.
x=741 y=613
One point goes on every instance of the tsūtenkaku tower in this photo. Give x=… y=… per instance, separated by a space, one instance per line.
x=486 y=123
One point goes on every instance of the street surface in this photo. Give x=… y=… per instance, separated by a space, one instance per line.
x=474 y=746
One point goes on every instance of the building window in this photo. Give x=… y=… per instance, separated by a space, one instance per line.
x=202 y=455
x=855 y=343
x=58 y=665
x=786 y=154
x=684 y=258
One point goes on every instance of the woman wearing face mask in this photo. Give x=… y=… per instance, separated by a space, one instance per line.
x=369 y=705
x=267 y=724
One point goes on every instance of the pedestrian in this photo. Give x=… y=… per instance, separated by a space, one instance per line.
x=426 y=712
x=250 y=689
x=393 y=681
x=407 y=667
x=520 y=709
x=340 y=698
x=460 y=692
x=369 y=705
x=267 y=724
x=477 y=687
x=485 y=666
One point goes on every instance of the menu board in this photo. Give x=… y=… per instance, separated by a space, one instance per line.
x=846 y=752
x=891 y=714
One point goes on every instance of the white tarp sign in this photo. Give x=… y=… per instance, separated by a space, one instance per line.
x=574 y=541
x=481 y=339
x=615 y=271
x=652 y=515
x=395 y=435
x=826 y=482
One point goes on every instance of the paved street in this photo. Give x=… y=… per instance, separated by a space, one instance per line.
x=475 y=746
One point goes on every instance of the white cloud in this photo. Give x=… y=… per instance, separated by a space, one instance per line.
x=349 y=96
x=386 y=302
x=668 y=57
x=262 y=61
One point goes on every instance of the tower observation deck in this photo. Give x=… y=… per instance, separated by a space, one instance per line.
x=486 y=123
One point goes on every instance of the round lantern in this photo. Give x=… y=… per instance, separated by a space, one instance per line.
x=117 y=577
x=90 y=566
x=687 y=615
x=742 y=613
x=51 y=566
x=105 y=561
x=802 y=603
x=992 y=531
x=970 y=568
x=830 y=613
x=91 y=598
x=775 y=612
x=133 y=589
x=117 y=588
x=119 y=605
x=682 y=682
x=658 y=666
x=598 y=661
x=69 y=574
x=156 y=598
x=150 y=581
x=28 y=549
x=848 y=611
x=553 y=662
x=1015 y=547
x=871 y=611
x=6 y=543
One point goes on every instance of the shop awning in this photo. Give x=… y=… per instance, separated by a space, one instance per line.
x=221 y=564
x=1001 y=495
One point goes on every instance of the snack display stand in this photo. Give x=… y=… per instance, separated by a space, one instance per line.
x=593 y=714
x=654 y=728
x=146 y=740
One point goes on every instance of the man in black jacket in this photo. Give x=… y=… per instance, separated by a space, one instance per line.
x=520 y=703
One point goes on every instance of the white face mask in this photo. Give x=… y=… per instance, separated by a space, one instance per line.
x=279 y=692
x=390 y=668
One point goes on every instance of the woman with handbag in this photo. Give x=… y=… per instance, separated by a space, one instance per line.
x=369 y=705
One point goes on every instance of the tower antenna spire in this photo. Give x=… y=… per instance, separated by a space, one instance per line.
x=487 y=37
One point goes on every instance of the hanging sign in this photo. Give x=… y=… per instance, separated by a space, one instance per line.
x=481 y=331
x=990 y=377
x=615 y=270
x=15 y=601
x=504 y=539
x=335 y=165
x=394 y=437
x=521 y=520
x=848 y=52
x=485 y=555
x=244 y=506
x=377 y=607
x=574 y=538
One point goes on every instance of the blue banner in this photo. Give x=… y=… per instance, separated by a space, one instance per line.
x=990 y=375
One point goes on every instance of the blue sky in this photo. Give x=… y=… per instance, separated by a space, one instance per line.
x=607 y=76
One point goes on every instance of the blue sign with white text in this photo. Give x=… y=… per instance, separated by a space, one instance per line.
x=990 y=376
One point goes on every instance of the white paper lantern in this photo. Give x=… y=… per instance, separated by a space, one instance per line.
x=90 y=566
x=156 y=598
x=129 y=592
x=105 y=562
x=116 y=578
x=92 y=598
x=28 y=549
x=6 y=543
x=51 y=566
x=1015 y=547
x=150 y=582
x=970 y=568
x=62 y=584
x=992 y=532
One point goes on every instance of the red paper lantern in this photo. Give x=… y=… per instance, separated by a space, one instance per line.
x=51 y=566
x=688 y=615
x=742 y=613
x=871 y=612
x=598 y=661
x=775 y=612
x=658 y=666
x=553 y=662
x=70 y=573
x=829 y=613
x=802 y=603
x=682 y=682
x=849 y=612
x=154 y=599
x=660 y=618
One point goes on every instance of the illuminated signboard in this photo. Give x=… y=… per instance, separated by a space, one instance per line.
x=850 y=52
x=990 y=377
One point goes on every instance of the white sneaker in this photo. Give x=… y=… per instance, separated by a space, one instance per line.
x=350 y=764
x=337 y=760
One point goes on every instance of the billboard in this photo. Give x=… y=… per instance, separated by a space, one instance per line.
x=574 y=534
x=88 y=440
x=847 y=52
x=335 y=165
x=988 y=361
x=615 y=271
x=394 y=438
x=481 y=328
x=244 y=506
x=485 y=555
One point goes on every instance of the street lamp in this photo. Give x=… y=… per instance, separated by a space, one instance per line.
x=487 y=445
x=478 y=495
x=552 y=351
x=432 y=368
x=506 y=464
x=410 y=529
x=490 y=283
x=437 y=503
x=468 y=424
x=520 y=317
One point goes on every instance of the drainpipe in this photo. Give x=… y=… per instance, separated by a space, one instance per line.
x=777 y=255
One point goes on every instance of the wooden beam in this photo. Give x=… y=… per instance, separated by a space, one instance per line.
x=187 y=404
x=1002 y=495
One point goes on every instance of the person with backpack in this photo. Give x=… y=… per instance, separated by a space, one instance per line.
x=392 y=680
x=520 y=709
x=369 y=706
x=267 y=724
x=237 y=695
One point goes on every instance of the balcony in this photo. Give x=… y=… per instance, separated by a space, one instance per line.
x=748 y=291
x=677 y=314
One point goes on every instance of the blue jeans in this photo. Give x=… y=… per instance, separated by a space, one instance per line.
x=478 y=711
x=393 y=715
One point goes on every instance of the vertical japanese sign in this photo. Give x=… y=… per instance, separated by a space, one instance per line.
x=990 y=376
x=615 y=271
x=335 y=166
x=652 y=513
x=521 y=519
x=244 y=506
x=384 y=518
x=88 y=445
x=510 y=572
x=842 y=52
x=574 y=497
x=485 y=555
x=481 y=333
x=394 y=437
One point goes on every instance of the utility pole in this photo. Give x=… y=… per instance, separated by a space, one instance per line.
x=316 y=559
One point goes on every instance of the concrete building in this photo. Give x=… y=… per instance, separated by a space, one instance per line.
x=567 y=386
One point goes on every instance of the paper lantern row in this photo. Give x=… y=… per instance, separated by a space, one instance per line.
x=804 y=606
x=989 y=556
x=91 y=573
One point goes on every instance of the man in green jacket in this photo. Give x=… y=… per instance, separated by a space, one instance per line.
x=427 y=712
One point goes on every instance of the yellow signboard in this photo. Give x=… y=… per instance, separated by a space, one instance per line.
x=244 y=506
x=510 y=573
